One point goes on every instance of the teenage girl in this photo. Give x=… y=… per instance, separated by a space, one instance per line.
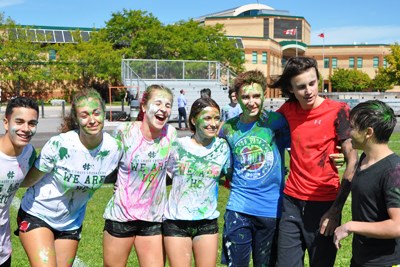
x=133 y=216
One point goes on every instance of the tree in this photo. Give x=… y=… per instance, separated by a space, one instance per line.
x=393 y=65
x=382 y=81
x=23 y=63
x=344 y=80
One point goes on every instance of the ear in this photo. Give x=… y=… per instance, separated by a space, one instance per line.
x=5 y=123
x=192 y=120
x=143 y=108
x=369 y=132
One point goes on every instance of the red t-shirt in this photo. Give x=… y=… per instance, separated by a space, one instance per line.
x=315 y=134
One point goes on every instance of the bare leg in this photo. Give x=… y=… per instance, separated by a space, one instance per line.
x=179 y=251
x=116 y=250
x=66 y=251
x=205 y=248
x=150 y=251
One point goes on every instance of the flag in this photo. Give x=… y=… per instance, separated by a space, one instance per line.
x=290 y=32
x=322 y=35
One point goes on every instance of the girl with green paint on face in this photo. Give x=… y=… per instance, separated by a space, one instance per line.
x=69 y=169
x=196 y=166
x=133 y=216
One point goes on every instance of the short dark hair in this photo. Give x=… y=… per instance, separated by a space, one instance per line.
x=21 y=102
x=247 y=78
x=294 y=66
x=230 y=91
x=377 y=115
x=181 y=91
x=197 y=107
x=205 y=92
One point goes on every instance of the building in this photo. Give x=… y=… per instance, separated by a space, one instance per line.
x=269 y=37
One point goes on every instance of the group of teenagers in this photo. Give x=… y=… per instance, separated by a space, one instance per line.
x=268 y=220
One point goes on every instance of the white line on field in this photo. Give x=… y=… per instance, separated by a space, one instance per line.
x=16 y=203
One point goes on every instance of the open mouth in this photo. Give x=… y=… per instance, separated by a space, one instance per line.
x=160 y=117
x=25 y=137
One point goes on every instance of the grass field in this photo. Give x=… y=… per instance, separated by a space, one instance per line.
x=90 y=247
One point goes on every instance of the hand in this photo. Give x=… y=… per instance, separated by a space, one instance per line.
x=341 y=233
x=337 y=159
x=329 y=221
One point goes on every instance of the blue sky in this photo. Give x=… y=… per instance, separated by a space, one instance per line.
x=342 y=21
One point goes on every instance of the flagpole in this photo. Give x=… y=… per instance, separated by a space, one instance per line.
x=296 y=41
x=323 y=61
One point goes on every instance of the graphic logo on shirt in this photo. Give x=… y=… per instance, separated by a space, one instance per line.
x=152 y=154
x=86 y=166
x=11 y=175
x=255 y=157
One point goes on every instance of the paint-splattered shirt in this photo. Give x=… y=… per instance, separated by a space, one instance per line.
x=12 y=173
x=258 y=161
x=74 y=173
x=375 y=190
x=195 y=176
x=141 y=184
x=315 y=134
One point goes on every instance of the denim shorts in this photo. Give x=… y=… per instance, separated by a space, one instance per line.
x=132 y=228
x=27 y=222
x=246 y=235
x=181 y=228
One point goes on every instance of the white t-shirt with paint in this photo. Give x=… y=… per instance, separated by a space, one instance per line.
x=12 y=173
x=74 y=173
x=195 y=177
x=141 y=184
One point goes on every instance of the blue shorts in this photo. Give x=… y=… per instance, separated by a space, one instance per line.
x=247 y=234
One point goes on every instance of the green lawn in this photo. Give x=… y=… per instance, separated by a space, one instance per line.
x=90 y=247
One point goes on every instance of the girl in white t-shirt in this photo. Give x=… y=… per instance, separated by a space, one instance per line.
x=196 y=166
x=70 y=168
x=134 y=213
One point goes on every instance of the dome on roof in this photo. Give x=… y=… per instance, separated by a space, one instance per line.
x=248 y=7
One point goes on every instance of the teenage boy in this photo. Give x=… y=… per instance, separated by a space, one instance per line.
x=233 y=108
x=313 y=195
x=375 y=189
x=16 y=158
x=257 y=139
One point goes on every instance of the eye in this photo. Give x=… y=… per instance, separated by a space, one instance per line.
x=33 y=123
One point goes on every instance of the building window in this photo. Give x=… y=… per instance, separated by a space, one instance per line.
x=359 y=62
x=283 y=62
x=376 y=62
x=351 y=62
x=52 y=54
x=254 y=57
x=334 y=63
x=326 y=63
x=264 y=57
x=384 y=63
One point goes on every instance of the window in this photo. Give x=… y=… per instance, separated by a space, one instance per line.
x=334 y=63
x=351 y=62
x=254 y=57
x=376 y=62
x=52 y=54
x=359 y=62
x=326 y=63
x=264 y=57
x=384 y=63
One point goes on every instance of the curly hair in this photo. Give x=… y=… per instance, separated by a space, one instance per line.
x=249 y=77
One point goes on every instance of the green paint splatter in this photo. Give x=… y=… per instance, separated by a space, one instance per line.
x=63 y=153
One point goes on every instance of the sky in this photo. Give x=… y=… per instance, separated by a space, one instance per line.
x=342 y=21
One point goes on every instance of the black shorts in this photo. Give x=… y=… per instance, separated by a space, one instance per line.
x=132 y=228
x=27 y=222
x=181 y=228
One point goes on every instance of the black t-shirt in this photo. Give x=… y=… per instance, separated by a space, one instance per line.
x=374 y=190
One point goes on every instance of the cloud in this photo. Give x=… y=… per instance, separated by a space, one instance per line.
x=357 y=34
x=6 y=3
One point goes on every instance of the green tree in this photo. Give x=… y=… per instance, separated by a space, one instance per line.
x=393 y=65
x=382 y=81
x=23 y=63
x=344 y=80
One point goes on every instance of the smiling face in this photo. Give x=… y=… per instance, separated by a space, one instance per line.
x=251 y=99
x=21 y=126
x=207 y=123
x=305 y=88
x=90 y=115
x=157 y=110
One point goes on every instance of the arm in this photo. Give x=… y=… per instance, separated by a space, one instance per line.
x=331 y=219
x=32 y=177
x=388 y=229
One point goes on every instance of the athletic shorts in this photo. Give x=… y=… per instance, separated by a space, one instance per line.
x=27 y=222
x=181 y=228
x=132 y=228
